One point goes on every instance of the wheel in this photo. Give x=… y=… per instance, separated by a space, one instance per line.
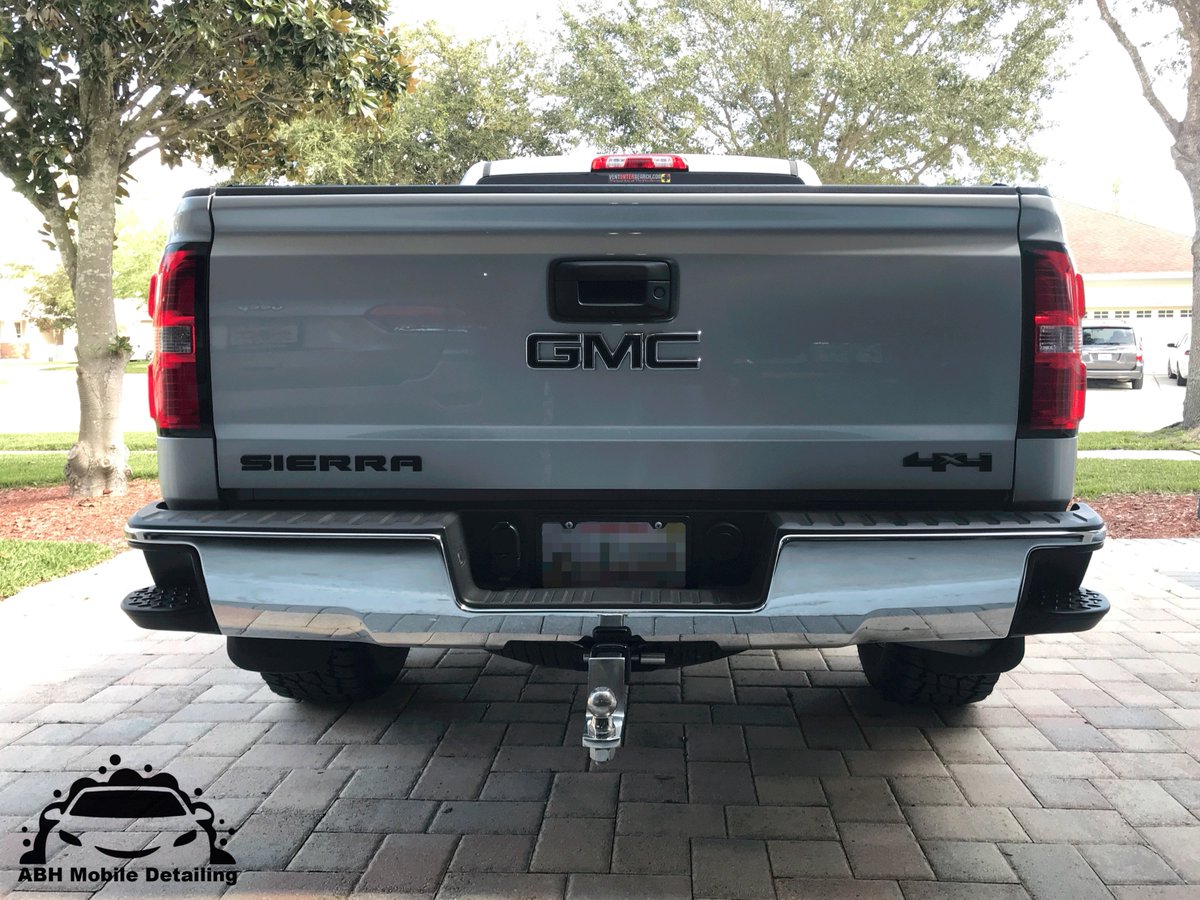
x=902 y=675
x=1170 y=371
x=1181 y=380
x=349 y=672
x=1137 y=383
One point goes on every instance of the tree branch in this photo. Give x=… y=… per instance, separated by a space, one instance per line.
x=1139 y=66
x=136 y=127
x=64 y=239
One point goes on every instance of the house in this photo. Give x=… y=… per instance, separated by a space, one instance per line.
x=1134 y=273
x=21 y=338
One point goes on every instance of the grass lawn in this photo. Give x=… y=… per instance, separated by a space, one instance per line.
x=1097 y=477
x=64 y=440
x=1163 y=439
x=40 y=469
x=25 y=563
x=133 y=367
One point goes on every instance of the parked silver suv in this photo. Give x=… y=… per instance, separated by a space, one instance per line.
x=1112 y=353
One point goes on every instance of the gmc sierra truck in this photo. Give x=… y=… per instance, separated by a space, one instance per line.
x=617 y=414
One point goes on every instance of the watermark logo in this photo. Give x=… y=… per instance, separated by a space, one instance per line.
x=106 y=824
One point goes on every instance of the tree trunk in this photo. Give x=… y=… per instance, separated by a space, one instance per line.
x=98 y=463
x=1191 y=400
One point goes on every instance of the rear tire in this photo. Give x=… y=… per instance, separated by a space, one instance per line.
x=349 y=672
x=901 y=674
x=1182 y=381
x=1137 y=383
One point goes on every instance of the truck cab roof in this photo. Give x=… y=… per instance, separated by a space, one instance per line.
x=642 y=168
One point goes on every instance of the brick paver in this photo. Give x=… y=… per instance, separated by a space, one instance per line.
x=765 y=775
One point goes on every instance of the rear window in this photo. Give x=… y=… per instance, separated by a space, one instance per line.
x=1093 y=336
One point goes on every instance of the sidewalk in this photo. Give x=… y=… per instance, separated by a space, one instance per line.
x=1188 y=455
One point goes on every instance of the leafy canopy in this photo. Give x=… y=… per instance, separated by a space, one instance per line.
x=85 y=82
x=471 y=101
x=864 y=90
x=49 y=301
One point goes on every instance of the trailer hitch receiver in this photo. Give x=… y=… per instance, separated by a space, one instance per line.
x=604 y=720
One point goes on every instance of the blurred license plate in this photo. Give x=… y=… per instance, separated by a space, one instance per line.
x=1106 y=357
x=614 y=554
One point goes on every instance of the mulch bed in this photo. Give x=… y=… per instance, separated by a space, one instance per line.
x=47 y=514
x=1148 y=515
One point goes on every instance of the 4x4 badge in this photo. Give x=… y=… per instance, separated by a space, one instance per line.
x=939 y=462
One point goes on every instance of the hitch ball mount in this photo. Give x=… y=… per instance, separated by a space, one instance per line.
x=609 y=661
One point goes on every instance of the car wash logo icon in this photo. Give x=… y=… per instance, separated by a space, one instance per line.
x=112 y=818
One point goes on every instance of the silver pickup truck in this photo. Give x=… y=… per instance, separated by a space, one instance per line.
x=618 y=414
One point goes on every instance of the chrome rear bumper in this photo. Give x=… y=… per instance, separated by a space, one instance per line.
x=403 y=579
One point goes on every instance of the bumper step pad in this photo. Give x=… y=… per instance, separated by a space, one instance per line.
x=1059 y=610
x=170 y=609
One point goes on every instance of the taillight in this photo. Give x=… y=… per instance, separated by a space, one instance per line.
x=613 y=161
x=1058 y=383
x=174 y=385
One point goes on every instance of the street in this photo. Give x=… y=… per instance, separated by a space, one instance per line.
x=34 y=399
x=1118 y=407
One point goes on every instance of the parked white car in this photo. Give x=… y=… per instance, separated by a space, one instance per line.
x=1177 y=357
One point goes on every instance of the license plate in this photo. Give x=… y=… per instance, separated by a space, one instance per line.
x=1106 y=357
x=643 y=554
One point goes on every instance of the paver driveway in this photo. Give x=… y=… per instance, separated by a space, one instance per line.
x=765 y=775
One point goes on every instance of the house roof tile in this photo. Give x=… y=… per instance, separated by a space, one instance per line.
x=1106 y=244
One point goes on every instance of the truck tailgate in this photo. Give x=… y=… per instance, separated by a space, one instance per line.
x=847 y=341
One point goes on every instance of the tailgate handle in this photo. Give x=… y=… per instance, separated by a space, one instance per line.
x=613 y=290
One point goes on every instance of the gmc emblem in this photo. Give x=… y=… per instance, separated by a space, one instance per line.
x=583 y=351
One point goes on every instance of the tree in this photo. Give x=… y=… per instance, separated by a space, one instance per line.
x=471 y=101
x=1183 y=60
x=87 y=87
x=864 y=90
x=49 y=301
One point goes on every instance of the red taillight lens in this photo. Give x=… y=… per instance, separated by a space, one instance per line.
x=612 y=161
x=174 y=387
x=1059 y=381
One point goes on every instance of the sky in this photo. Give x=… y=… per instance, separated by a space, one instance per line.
x=1106 y=148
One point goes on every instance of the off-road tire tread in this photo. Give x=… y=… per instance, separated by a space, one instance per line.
x=900 y=675
x=350 y=674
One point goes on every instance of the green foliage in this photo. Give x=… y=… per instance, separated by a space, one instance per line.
x=1097 y=477
x=196 y=78
x=471 y=101
x=864 y=91
x=26 y=563
x=49 y=300
x=135 y=258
